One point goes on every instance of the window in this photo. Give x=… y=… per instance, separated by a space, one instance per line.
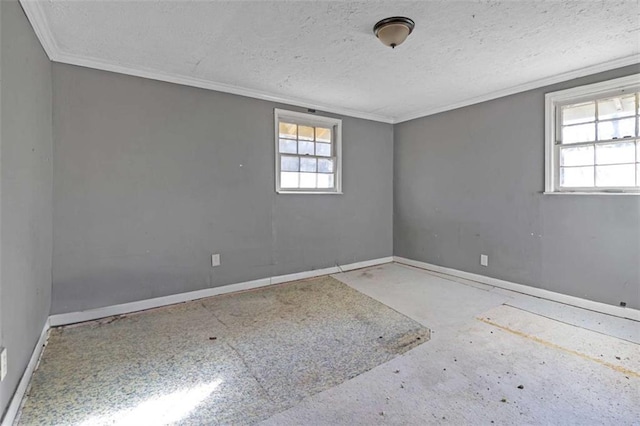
x=308 y=153
x=592 y=138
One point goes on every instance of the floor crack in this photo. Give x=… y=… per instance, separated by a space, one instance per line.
x=214 y=314
x=244 y=362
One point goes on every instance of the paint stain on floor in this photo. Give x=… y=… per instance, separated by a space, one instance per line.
x=237 y=358
x=614 y=353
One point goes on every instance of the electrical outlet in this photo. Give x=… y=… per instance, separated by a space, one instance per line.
x=3 y=364
x=215 y=260
x=484 y=260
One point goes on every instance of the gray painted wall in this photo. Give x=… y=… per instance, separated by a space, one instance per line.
x=151 y=178
x=25 y=191
x=470 y=181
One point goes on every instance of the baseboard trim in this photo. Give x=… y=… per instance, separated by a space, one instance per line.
x=64 y=319
x=127 y=308
x=74 y=317
x=16 y=401
x=628 y=313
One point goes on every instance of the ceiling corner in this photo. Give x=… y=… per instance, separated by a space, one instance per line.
x=36 y=17
x=35 y=12
x=558 y=78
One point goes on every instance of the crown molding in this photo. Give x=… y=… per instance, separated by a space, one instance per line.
x=219 y=87
x=558 y=78
x=38 y=21
x=36 y=16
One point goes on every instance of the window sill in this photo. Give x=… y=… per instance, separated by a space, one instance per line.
x=310 y=192
x=589 y=193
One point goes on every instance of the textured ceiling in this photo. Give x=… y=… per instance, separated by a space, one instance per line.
x=324 y=53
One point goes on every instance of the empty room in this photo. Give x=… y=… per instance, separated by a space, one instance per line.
x=319 y=212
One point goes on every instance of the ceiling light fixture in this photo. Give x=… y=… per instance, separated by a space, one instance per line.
x=393 y=31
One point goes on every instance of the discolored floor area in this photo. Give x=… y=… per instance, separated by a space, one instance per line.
x=232 y=359
x=320 y=353
x=495 y=357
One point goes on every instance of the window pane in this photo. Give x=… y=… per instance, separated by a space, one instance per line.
x=617 y=129
x=325 y=165
x=307 y=164
x=288 y=130
x=323 y=149
x=289 y=164
x=579 y=133
x=305 y=148
x=576 y=156
x=579 y=113
x=288 y=146
x=576 y=177
x=637 y=174
x=305 y=133
x=638 y=151
x=288 y=180
x=307 y=180
x=620 y=106
x=325 y=180
x=323 y=135
x=624 y=175
x=616 y=153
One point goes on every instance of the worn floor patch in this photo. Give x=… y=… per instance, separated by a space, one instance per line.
x=237 y=358
x=617 y=354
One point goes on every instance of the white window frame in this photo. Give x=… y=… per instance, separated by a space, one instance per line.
x=553 y=102
x=314 y=120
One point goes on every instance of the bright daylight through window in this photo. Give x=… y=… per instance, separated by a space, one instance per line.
x=308 y=151
x=593 y=142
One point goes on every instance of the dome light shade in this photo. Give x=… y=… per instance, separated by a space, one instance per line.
x=393 y=31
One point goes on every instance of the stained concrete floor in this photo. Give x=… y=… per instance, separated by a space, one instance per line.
x=541 y=363
x=495 y=357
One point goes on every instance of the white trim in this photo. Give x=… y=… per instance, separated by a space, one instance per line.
x=559 y=78
x=16 y=400
x=618 y=311
x=307 y=119
x=576 y=94
x=365 y=264
x=309 y=192
x=74 y=317
x=549 y=145
x=36 y=16
x=34 y=12
x=126 y=308
x=219 y=87
x=595 y=89
x=141 y=305
x=589 y=193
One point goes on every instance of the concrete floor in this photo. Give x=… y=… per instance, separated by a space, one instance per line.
x=544 y=362
x=495 y=357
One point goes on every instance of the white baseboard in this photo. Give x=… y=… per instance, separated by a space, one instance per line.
x=591 y=305
x=16 y=401
x=74 y=317
x=126 y=308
